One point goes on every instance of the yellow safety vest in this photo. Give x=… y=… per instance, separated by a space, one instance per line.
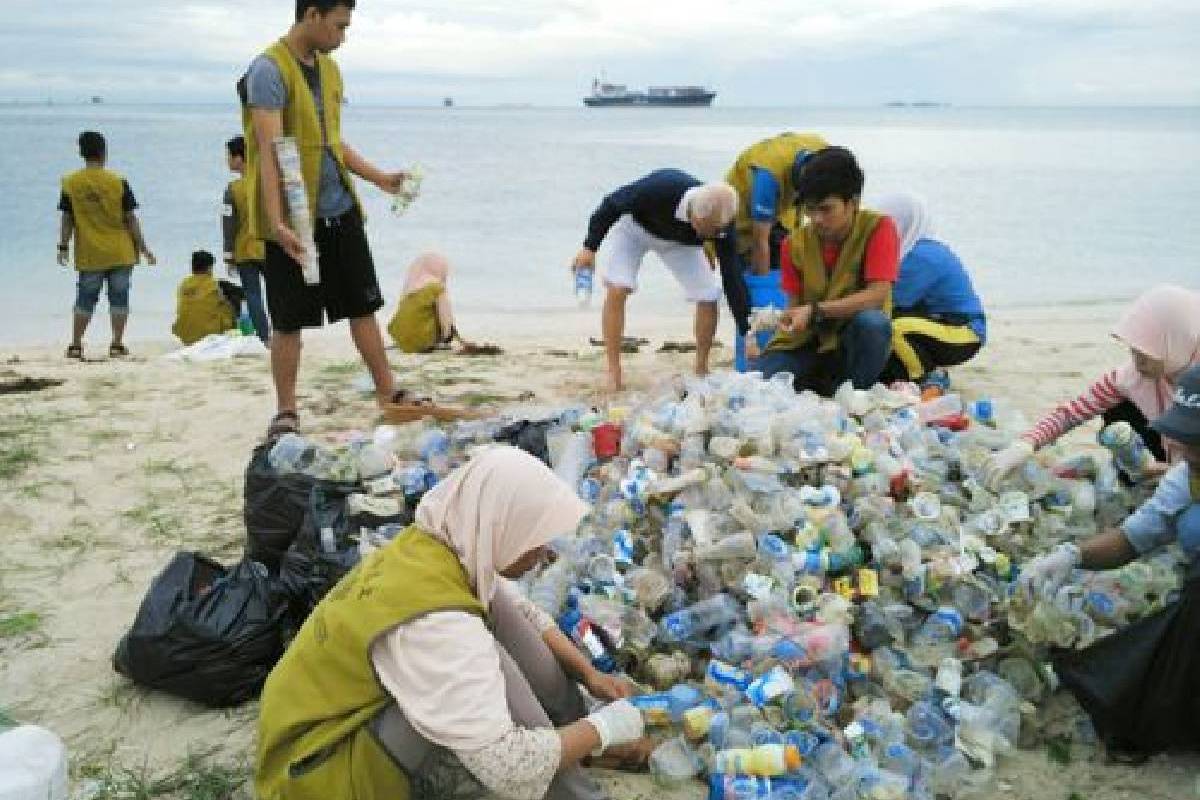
x=314 y=739
x=102 y=239
x=819 y=285
x=246 y=248
x=776 y=155
x=201 y=309
x=415 y=327
x=301 y=121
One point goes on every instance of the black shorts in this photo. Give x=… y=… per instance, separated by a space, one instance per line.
x=348 y=287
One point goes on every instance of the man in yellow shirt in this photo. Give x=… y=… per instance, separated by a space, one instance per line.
x=98 y=213
x=202 y=307
x=243 y=252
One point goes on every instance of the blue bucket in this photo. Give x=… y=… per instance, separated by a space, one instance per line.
x=765 y=290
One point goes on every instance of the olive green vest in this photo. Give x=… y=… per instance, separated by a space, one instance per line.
x=414 y=326
x=314 y=738
x=102 y=240
x=301 y=121
x=246 y=248
x=819 y=285
x=776 y=155
x=201 y=309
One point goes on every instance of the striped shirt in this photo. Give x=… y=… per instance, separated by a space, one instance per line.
x=1099 y=397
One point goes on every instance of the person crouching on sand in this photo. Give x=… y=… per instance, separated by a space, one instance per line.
x=203 y=307
x=424 y=319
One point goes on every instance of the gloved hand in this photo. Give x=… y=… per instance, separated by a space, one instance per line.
x=1001 y=464
x=617 y=723
x=1045 y=574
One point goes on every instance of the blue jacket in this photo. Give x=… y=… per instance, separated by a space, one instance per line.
x=933 y=281
x=652 y=202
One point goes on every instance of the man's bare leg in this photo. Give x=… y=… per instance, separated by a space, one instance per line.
x=285 y=365
x=706 y=329
x=79 y=326
x=613 y=322
x=118 y=328
x=369 y=341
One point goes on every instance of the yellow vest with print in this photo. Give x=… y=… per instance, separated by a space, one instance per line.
x=301 y=121
x=819 y=285
x=776 y=155
x=246 y=247
x=415 y=327
x=314 y=737
x=102 y=240
x=200 y=309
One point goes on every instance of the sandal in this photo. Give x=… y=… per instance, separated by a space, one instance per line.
x=283 y=423
x=403 y=397
x=75 y=351
x=117 y=351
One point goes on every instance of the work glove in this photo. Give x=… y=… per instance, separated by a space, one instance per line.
x=617 y=723
x=1043 y=576
x=1001 y=464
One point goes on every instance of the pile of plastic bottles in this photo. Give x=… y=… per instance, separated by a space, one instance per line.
x=817 y=596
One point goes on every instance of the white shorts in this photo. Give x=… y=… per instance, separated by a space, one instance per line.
x=628 y=243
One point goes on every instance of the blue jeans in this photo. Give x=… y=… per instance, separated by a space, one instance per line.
x=88 y=288
x=251 y=275
x=863 y=348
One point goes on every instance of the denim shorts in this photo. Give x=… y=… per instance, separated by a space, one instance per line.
x=90 y=284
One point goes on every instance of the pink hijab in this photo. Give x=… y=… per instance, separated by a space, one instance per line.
x=1164 y=324
x=501 y=505
x=426 y=270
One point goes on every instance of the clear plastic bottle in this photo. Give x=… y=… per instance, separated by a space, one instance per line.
x=1129 y=451
x=700 y=619
x=674 y=763
x=584 y=282
x=766 y=761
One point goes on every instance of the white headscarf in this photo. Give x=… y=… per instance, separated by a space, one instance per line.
x=499 y=506
x=912 y=218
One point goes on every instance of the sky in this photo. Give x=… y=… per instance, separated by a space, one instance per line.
x=753 y=52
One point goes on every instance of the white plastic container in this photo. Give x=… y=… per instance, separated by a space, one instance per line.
x=33 y=765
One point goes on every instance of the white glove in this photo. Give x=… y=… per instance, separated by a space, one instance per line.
x=617 y=723
x=1001 y=464
x=1043 y=576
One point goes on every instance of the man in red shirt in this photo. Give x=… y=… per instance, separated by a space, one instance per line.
x=837 y=269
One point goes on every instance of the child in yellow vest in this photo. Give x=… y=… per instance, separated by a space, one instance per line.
x=202 y=307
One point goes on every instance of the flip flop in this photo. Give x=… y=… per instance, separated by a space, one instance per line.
x=117 y=351
x=75 y=351
x=282 y=423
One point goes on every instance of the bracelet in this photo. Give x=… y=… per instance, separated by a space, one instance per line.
x=817 y=316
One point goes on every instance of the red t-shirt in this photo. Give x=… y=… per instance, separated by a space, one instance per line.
x=881 y=262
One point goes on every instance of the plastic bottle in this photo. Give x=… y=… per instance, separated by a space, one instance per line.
x=292 y=453
x=738 y=546
x=245 y=324
x=576 y=456
x=1129 y=451
x=667 y=708
x=940 y=408
x=409 y=191
x=579 y=629
x=773 y=684
x=766 y=761
x=33 y=764
x=700 y=619
x=674 y=762
x=950 y=676
x=928 y=728
x=584 y=281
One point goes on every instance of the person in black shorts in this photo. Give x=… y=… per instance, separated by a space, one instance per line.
x=295 y=89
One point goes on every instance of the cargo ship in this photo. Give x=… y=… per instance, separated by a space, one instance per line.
x=615 y=94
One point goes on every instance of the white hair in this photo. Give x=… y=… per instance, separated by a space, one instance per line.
x=715 y=201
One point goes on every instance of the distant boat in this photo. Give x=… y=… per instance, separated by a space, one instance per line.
x=97 y=100
x=448 y=102
x=615 y=94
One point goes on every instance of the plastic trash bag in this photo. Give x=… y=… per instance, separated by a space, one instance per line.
x=220 y=347
x=1141 y=686
x=529 y=436
x=204 y=633
x=275 y=507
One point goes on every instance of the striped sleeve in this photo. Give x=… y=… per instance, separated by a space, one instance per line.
x=1099 y=397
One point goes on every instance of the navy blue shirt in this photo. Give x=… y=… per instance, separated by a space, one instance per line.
x=652 y=202
x=933 y=281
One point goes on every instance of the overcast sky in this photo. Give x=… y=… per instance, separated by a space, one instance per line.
x=754 y=52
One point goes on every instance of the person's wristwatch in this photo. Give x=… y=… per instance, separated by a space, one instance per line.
x=817 y=316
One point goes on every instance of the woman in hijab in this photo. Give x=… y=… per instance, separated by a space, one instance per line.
x=425 y=673
x=1162 y=331
x=424 y=319
x=938 y=319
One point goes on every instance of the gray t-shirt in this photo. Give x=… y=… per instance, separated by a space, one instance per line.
x=265 y=89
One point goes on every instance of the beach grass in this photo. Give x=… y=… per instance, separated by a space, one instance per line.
x=196 y=777
x=21 y=624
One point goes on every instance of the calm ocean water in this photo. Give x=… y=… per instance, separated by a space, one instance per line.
x=1044 y=205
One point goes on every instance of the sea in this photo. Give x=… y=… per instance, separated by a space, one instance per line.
x=1044 y=205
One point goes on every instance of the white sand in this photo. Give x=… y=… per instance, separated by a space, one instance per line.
x=133 y=460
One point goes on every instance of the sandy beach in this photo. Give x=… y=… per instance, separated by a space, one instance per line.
x=104 y=475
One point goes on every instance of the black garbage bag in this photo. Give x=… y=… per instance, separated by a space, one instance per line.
x=327 y=547
x=1141 y=686
x=529 y=436
x=204 y=633
x=274 y=511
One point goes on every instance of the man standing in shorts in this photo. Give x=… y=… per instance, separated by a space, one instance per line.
x=671 y=214
x=97 y=208
x=295 y=89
